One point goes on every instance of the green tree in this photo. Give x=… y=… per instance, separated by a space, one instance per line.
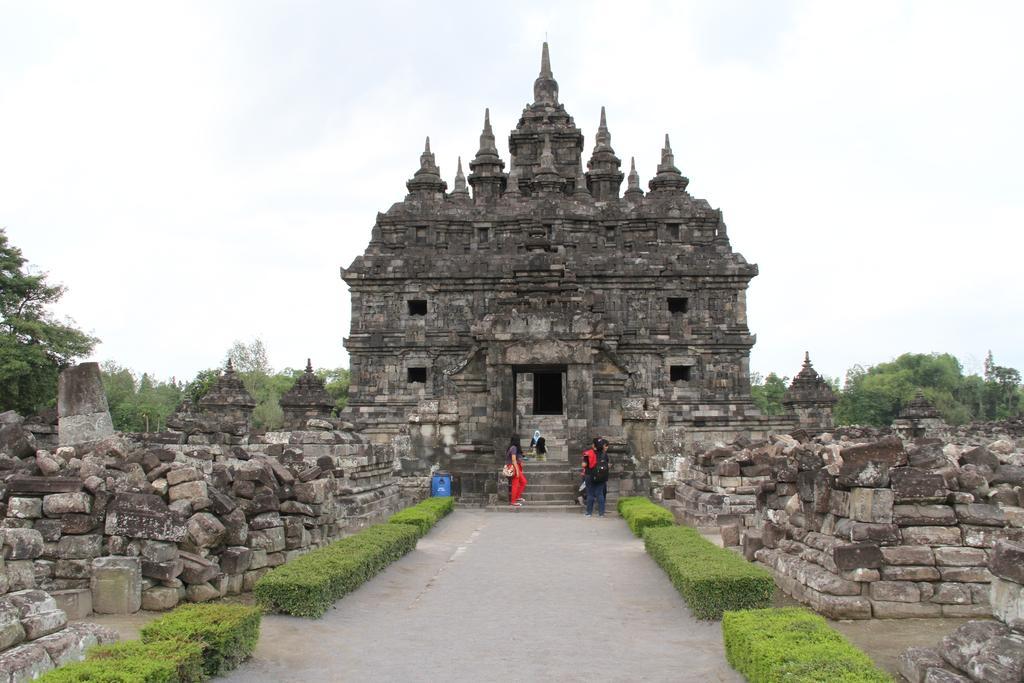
x=767 y=392
x=34 y=345
x=141 y=405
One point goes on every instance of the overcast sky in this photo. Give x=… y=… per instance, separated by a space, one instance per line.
x=197 y=173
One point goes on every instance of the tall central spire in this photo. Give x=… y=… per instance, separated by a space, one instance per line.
x=545 y=88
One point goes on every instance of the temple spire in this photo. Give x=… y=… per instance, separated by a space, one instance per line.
x=545 y=88
x=514 y=174
x=633 y=191
x=668 y=177
x=605 y=177
x=309 y=366
x=460 y=191
x=581 y=191
x=426 y=182
x=547 y=181
x=486 y=171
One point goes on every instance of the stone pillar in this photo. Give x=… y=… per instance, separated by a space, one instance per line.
x=82 y=412
x=116 y=585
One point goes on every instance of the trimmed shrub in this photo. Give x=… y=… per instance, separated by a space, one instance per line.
x=227 y=634
x=135 y=662
x=424 y=515
x=793 y=645
x=307 y=586
x=710 y=579
x=641 y=513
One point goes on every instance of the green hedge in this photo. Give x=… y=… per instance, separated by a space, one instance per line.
x=793 y=645
x=133 y=661
x=710 y=579
x=640 y=513
x=226 y=633
x=424 y=515
x=307 y=586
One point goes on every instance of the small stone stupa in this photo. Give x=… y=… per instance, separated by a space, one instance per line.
x=307 y=400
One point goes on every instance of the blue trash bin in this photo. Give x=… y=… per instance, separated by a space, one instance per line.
x=441 y=485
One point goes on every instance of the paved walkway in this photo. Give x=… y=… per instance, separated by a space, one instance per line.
x=510 y=597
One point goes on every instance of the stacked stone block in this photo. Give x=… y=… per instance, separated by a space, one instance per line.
x=880 y=529
x=989 y=651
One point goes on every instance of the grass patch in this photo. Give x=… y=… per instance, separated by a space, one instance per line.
x=424 y=515
x=307 y=586
x=710 y=579
x=135 y=662
x=640 y=513
x=793 y=645
x=227 y=634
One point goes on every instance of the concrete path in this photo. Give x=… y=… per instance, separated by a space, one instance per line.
x=510 y=597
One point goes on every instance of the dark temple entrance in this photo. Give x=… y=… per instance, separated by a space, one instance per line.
x=547 y=393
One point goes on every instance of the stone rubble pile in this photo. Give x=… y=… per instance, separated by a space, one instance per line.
x=861 y=526
x=988 y=651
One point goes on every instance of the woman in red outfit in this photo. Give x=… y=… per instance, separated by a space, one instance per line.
x=514 y=457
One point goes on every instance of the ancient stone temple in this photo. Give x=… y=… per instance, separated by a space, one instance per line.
x=543 y=297
x=809 y=399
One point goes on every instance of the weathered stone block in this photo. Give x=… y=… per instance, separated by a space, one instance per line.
x=80 y=547
x=965 y=574
x=923 y=515
x=952 y=594
x=140 y=515
x=904 y=610
x=22 y=544
x=910 y=573
x=871 y=505
x=932 y=535
x=314 y=492
x=73 y=569
x=38 y=611
x=82 y=412
x=857 y=555
x=910 y=484
x=25 y=662
x=116 y=585
x=271 y=540
x=908 y=555
x=188 y=491
x=205 y=530
x=895 y=591
x=11 y=630
x=913 y=664
x=1000 y=660
x=201 y=592
x=883 y=534
x=182 y=475
x=162 y=571
x=75 y=602
x=57 y=504
x=960 y=557
x=1007 y=561
x=1007 y=599
x=24 y=508
x=964 y=644
x=980 y=513
x=160 y=598
x=235 y=560
x=986 y=536
x=197 y=569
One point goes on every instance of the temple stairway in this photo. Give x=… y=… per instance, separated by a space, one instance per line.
x=552 y=428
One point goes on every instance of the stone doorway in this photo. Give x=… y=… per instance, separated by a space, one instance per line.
x=540 y=404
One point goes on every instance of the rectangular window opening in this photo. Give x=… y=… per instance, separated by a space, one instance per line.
x=417 y=306
x=678 y=304
x=679 y=373
x=421 y=235
x=483 y=235
x=417 y=375
x=673 y=231
x=547 y=393
x=609 y=233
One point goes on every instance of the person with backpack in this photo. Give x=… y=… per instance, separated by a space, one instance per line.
x=514 y=462
x=595 y=476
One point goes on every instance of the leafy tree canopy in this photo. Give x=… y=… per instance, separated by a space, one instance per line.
x=34 y=345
